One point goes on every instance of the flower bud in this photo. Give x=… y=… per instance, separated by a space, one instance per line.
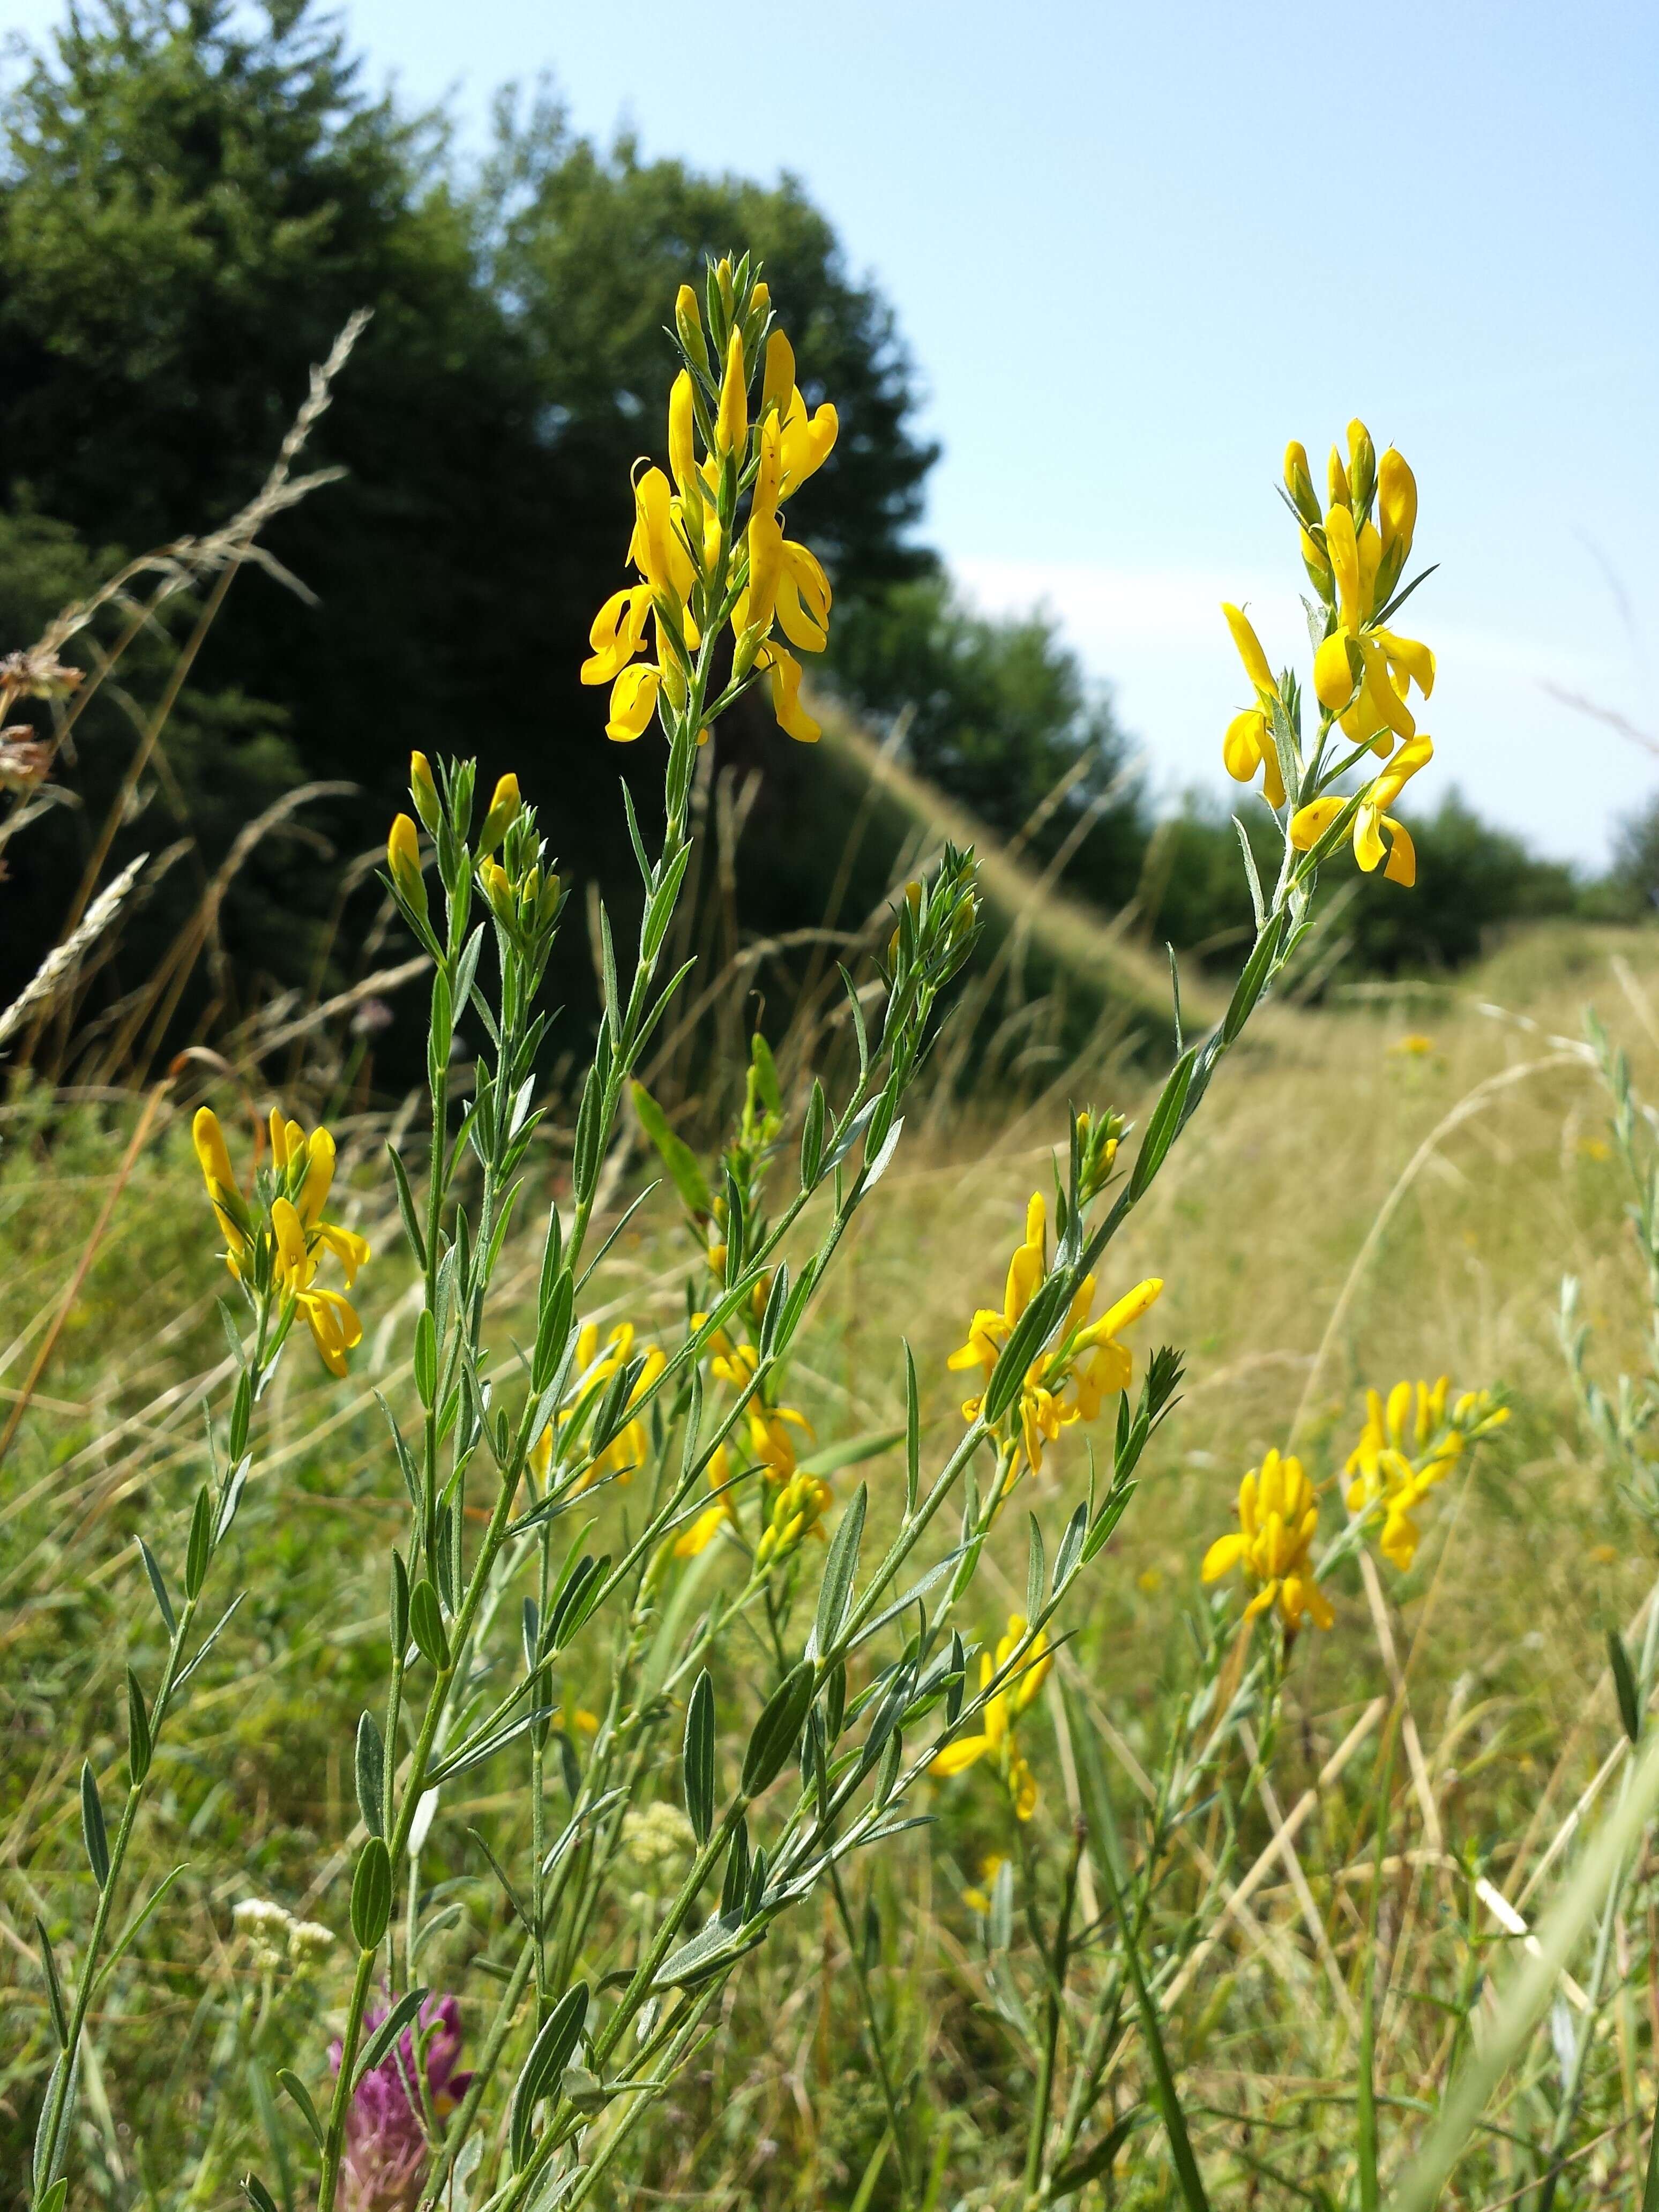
x=1396 y=504
x=1337 y=476
x=1318 y=567
x=724 y=286
x=1298 y=482
x=732 y=426
x=504 y=805
x=498 y=891
x=403 y=857
x=1362 y=469
x=688 y=324
x=778 y=378
x=424 y=792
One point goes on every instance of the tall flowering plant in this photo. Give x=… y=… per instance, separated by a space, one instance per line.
x=518 y=1580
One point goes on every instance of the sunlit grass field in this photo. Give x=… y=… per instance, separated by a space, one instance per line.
x=1391 y=1184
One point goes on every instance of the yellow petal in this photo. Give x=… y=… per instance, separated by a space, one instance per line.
x=1333 y=676
x=1222 y=1556
x=1249 y=646
x=1403 y=853
x=211 y=1149
x=633 y=702
x=1244 y=747
x=958 y=1756
x=1309 y=823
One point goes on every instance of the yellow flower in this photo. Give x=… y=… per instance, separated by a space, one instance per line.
x=1407 y=1447
x=680 y=547
x=1372 y=818
x=1001 y=1711
x=1248 y=744
x=1277 y=1517
x=628 y=1450
x=978 y=1900
x=1414 y=1045
x=712 y=1518
x=278 y=1237
x=403 y=859
x=797 y=1510
x=1088 y=1359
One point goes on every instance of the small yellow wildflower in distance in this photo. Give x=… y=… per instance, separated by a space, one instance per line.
x=1406 y=1447
x=1002 y=1709
x=273 y=1242
x=1277 y=1518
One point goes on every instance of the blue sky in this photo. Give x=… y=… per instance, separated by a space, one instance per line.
x=1134 y=249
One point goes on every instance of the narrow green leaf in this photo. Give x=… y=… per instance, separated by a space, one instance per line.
x=159 y=1585
x=401 y=2015
x=200 y=1549
x=406 y=1208
x=256 y=2194
x=549 y=2055
x=676 y=1156
x=301 y=2098
x=697 y=1758
x=777 y=1730
x=54 y=1987
x=92 y=1831
x=1161 y=1127
x=1624 y=1681
x=140 y=1746
x=912 y=1433
x=1037 y=1568
x=371 y=1775
x=840 y=1571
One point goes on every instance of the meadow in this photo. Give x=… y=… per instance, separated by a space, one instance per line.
x=585 y=1633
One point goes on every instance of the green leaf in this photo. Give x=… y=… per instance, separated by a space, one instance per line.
x=406 y=1208
x=1037 y=1568
x=676 y=1156
x=1161 y=1127
x=697 y=1758
x=778 y=1729
x=371 y=1775
x=839 y=1571
x=54 y=1987
x=812 y=1136
x=135 y=1926
x=1624 y=1681
x=301 y=2097
x=140 y=1744
x=766 y=1074
x=256 y=2194
x=912 y=1433
x=549 y=2055
x=426 y=1624
x=400 y=2016
x=371 y=1894
x=57 y=2197
x=200 y=1549
x=92 y=1831
x=852 y=1453
x=576 y=1600
x=159 y=1585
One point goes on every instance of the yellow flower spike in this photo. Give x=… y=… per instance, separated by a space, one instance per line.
x=424 y=792
x=402 y=856
x=778 y=377
x=504 y=805
x=731 y=424
x=1278 y=1519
